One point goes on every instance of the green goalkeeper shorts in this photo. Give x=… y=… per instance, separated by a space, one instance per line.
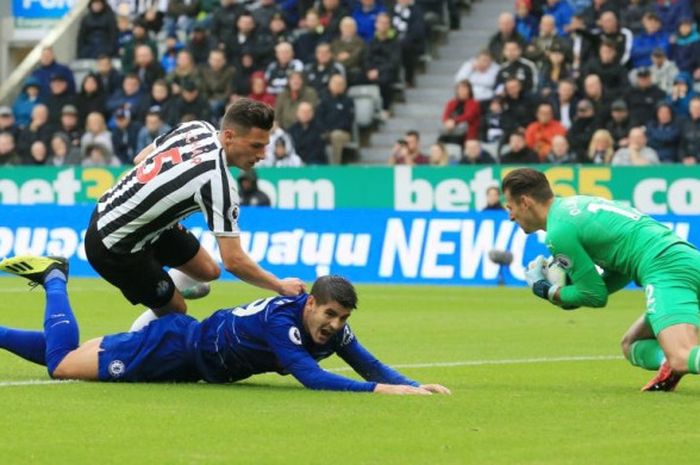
x=672 y=288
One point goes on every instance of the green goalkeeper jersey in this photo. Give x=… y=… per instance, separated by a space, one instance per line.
x=585 y=231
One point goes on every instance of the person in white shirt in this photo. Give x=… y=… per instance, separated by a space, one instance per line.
x=481 y=71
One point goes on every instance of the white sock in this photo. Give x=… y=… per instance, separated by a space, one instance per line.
x=143 y=320
x=189 y=287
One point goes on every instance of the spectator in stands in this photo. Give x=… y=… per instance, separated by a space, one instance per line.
x=506 y=32
x=62 y=152
x=365 y=15
x=124 y=136
x=8 y=153
x=643 y=98
x=154 y=127
x=264 y=12
x=664 y=134
x=250 y=40
x=58 y=98
x=130 y=97
x=349 y=50
x=168 y=60
x=637 y=153
x=181 y=15
x=92 y=96
x=258 y=89
x=307 y=42
x=140 y=37
x=200 y=44
x=474 y=154
x=331 y=12
x=250 y=193
x=306 y=136
x=25 y=101
x=242 y=78
x=620 y=37
x=160 y=97
x=70 y=125
x=584 y=125
x=582 y=42
x=685 y=46
x=601 y=148
x=619 y=124
x=283 y=154
x=461 y=117
x=278 y=71
x=682 y=94
x=437 y=153
x=99 y=155
x=564 y=102
x=606 y=66
x=525 y=20
x=146 y=67
x=631 y=16
x=481 y=72
x=39 y=128
x=277 y=29
x=492 y=130
x=223 y=22
x=689 y=150
x=98 y=31
x=190 y=105
x=288 y=101
x=546 y=40
x=96 y=132
x=518 y=107
x=217 y=81
x=561 y=11
x=663 y=70
x=407 y=21
x=554 y=69
x=672 y=12
x=318 y=73
x=560 y=154
x=651 y=38
x=594 y=92
x=7 y=122
x=185 y=70
x=593 y=13
x=383 y=63
x=48 y=66
x=515 y=66
x=125 y=33
x=407 y=151
x=152 y=13
x=38 y=154
x=517 y=152
x=336 y=113
x=110 y=78
x=539 y=133
x=493 y=199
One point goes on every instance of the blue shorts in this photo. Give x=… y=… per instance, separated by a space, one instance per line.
x=162 y=351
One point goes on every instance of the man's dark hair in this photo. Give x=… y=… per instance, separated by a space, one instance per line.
x=413 y=133
x=334 y=288
x=526 y=181
x=245 y=114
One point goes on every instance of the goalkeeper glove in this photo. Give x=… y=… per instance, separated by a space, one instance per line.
x=538 y=282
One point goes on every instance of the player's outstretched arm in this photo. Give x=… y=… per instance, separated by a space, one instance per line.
x=239 y=263
x=401 y=390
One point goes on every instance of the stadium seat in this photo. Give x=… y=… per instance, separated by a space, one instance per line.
x=368 y=102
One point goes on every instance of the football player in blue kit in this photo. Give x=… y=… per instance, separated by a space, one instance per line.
x=287 y=335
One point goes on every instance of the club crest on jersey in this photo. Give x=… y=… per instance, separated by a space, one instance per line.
x=563 y=261
x=235 y=212
x=116 y=368
x=295 y=335
x=348 y=336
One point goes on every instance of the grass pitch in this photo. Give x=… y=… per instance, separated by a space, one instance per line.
x=531 y=385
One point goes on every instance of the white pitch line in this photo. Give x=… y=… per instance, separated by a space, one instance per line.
x=463 y=363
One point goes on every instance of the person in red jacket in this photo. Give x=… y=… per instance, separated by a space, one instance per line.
x=539 y=133
x=462 y=116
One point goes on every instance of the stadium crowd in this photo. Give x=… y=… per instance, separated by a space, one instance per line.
x=560 y=81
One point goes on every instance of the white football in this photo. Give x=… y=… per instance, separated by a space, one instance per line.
x=554 y=272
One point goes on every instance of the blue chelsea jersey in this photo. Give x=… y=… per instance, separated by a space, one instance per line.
x=268 y=335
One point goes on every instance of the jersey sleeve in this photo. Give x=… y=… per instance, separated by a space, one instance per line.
x=284 y=338
x=588 y=288
x=366 y=365
x=218 y=199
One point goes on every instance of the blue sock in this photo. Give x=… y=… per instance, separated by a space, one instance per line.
x=30 y=345
x=60 y=325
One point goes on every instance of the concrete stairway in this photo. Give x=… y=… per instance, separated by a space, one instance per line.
x=424 y=104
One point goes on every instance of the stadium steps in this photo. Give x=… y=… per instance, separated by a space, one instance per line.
x=424 y=104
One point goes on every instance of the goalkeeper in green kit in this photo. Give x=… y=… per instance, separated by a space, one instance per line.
x=583 y=232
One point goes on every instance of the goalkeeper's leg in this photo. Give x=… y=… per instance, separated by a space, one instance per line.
x=640 y=347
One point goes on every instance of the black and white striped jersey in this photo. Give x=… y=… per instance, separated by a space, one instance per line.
x=186 y=172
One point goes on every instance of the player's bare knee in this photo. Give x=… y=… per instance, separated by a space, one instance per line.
x=212 y=271
x=626 y=344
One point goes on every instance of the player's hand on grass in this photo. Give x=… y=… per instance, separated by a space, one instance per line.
x=436 y=389
x=535 y=270
x=292 y=286
x=401 y=389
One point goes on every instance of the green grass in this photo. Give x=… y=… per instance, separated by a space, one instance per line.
x=575 y=412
